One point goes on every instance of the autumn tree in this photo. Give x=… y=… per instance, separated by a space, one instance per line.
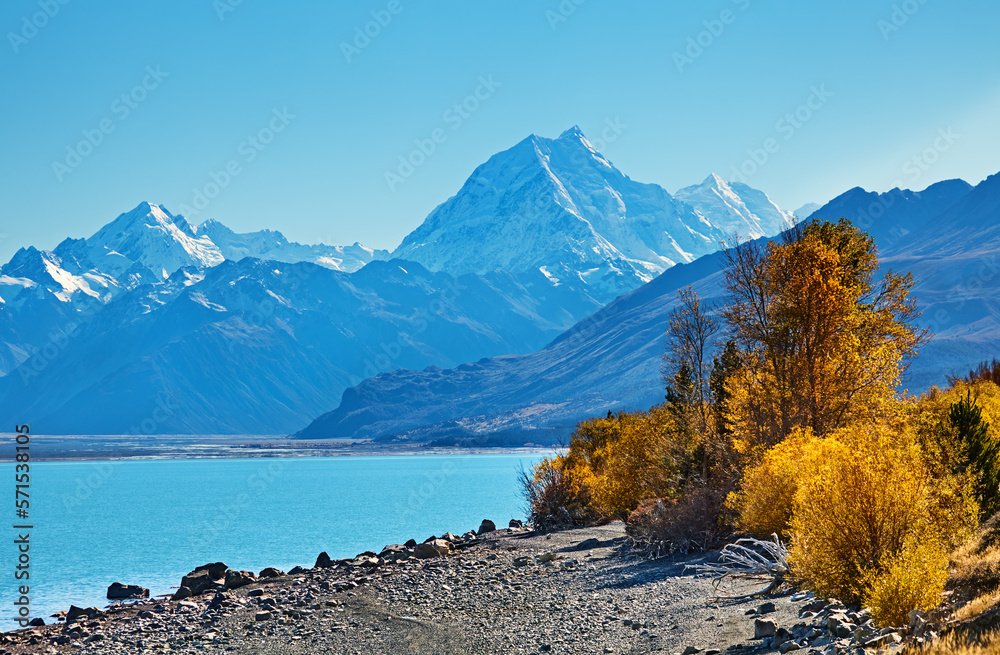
x=820 y=343
x=686 y=368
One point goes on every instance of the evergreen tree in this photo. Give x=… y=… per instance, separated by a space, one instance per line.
x=982 y=453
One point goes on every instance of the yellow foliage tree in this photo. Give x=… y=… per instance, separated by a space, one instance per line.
x=820 y=344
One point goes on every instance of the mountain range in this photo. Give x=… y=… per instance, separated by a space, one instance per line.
x=948 y=235
x=250 y=333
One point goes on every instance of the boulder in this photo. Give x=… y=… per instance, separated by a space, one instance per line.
x=76 y=613
x=766 y=608
x=119 y=591
x=324 y=561
x=36 y=622
x=217 y=570
x=393 y=552
x=449 y=537
x=237 y=579
x=436 y=548
x=762 y=629
x=270 y=573
x=181 y=593
x=487 y=526
x=410 y=543
x=515 y=523
x=198 y=581
x=588 y=544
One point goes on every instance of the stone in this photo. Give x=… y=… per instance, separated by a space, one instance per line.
x=270 y=572
x=237 y=579
x=323 y=561
x=216 y=570
x=883 y=641
x=410 y=543
x=436 y=548
x=515 y=523
x=36 y=622
x=76 y=613
x=788 y=646
x=691 y=650
x=198 y=581
x=262 y=616
x=393 y=552
x=763 y=628
x=547 y=557
x=766 y=608
x=588 y=544
x=119 y=591
x=843 y=630
x=181 y=593
x=295 y=570
x=814 y=606
x=487 y=526
x=862 y=633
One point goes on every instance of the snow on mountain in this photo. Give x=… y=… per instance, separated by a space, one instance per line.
x=736 y=209
x=559 y=207
x=271 y=244
x=947 y=235
x=152 y=236
x=260 y=347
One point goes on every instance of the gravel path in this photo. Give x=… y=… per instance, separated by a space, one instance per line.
x=496 y=595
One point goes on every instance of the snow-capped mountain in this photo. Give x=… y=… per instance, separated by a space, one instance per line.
x=736 y=209
x=560 y=208
x=272 y=245
x=153 y=237
x=948 y=235
x=144 y=246
x=260 y=347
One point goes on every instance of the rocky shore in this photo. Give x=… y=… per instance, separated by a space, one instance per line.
x=489 y=591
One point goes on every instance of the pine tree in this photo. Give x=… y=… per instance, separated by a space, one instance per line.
x=982 y=453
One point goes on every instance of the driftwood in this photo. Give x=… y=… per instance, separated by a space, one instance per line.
x=752 y=560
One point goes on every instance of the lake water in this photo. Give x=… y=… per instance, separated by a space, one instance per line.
x=150 y=522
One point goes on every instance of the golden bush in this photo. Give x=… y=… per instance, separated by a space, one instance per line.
x=914 y=579
x=860 y=504
x=611 y=465
x=766 y=498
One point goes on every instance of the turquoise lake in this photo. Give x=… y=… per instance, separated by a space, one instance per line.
x=149 y=522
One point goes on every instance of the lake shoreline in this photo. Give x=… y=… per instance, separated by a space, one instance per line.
x=506 y=591
x=180 y=447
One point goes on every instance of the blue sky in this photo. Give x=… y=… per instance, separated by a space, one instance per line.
x=804 y=101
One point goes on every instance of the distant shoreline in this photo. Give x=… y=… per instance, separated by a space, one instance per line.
x=177 y=447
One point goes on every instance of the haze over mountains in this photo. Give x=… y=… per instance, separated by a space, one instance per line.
x=253 y=334
x=948 y=235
